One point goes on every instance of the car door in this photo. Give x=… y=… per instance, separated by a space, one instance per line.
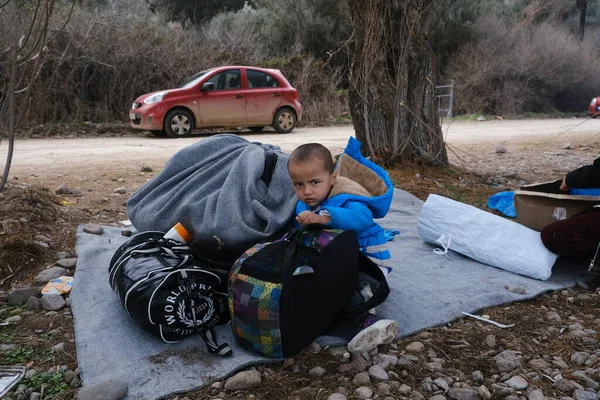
x=263 y=96
x=225 y=104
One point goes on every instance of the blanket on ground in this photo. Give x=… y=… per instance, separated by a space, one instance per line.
x=426 y=290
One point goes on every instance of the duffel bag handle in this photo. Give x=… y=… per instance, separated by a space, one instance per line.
x=370 y=268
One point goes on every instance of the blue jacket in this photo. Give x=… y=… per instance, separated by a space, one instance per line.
x=362 y=192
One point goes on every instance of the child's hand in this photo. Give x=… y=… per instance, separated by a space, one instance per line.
x=307 y=218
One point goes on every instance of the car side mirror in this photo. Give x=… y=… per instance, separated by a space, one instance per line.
x=208 y=86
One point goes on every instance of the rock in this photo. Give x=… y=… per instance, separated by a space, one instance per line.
x=30 y=373
x=112 y=389
x=539 y=363
x=408 y=362
x=383 y=388
x=11 y=226
x=48 y=274
x=317 y=372
x=288 y=363
x=68 y=376
x=484 y=393
x=560 y=364
x=63 y=254
x=517 y=382
x=477 y=376
x=553 y=316
x=463 y=394
x=404 y=389
x=584 y=379
x=378 y=374
x=566 y=146
x=361 y=379
x=67 y=262
x=145 y=168
x=93 y=229
x=536 y=395
x=15 y=319
x=517 y=289
x=55 y=333
x=315 y=347
x=33 y=303
x=437 y=397
x=52 y=302
x=120 y=190
x=442 y=384
x=500 y=149
x=35 y=396
x=481 y=118
x=579 y=394
x=507 y=361
x=75 y=383
x=18 y=297
x=358 y=364
x=415 y=347
x=566 y=386
x=63 y=189
x=579 y=357
x=414 y=395
x=336 y=396
x=244 y=380
x=127 y=232
x=58 y=347
x=490 y=341
x=363 y=392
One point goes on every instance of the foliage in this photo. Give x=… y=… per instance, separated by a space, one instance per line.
x=194 y=12
x=53 y=383
x=18 y=355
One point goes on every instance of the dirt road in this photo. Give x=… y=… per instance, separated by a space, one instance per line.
x=51 y=157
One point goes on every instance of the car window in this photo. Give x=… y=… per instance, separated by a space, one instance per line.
x=227 y=80
x=257 y=79
x=192 y=80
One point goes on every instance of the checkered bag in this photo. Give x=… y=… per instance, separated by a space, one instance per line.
x=285 y=294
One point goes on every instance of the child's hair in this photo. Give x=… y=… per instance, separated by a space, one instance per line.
x=313 y=151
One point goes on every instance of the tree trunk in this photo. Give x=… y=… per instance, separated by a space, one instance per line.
x=392 y=90
x=582 y=6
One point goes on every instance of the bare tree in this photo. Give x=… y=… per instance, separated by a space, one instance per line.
x=25 y=29
x=392 y=90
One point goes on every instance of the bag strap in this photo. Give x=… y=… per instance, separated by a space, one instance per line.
x=370 y=268
x=209 y=337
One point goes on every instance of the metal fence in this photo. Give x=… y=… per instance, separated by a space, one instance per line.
x=445 y=99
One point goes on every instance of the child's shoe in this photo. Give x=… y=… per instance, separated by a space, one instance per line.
x=373 y=331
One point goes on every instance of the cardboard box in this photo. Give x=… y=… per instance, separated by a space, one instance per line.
x=535 y=204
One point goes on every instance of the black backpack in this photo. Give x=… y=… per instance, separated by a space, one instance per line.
x=285 y=294
x=167 y=291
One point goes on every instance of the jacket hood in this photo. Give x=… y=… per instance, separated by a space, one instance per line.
x=362 y=180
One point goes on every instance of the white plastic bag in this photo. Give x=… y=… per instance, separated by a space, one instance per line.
x=485 y=237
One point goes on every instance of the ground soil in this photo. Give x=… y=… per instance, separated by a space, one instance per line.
x=480 y=167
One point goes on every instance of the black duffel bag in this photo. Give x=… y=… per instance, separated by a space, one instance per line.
x=167 y=291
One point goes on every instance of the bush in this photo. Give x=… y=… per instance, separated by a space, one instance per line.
x=512 y=69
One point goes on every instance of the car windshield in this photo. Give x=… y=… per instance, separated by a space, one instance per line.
x=192 y=80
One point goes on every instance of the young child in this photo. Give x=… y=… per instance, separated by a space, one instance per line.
x=348 y=198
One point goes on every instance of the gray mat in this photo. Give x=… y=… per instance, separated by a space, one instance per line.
x=426 y=290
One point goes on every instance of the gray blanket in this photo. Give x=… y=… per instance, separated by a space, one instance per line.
x=216 y=187
x=426 y=290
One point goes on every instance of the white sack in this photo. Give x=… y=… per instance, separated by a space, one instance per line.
x=485 y=237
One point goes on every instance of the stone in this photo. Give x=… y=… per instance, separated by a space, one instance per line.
x=585 y=380
x=288 y=363
x=566 y=146
x=317 y=372
x=75 y=383
x=93 y=229
x=244 y=380
x=404 y=389
x=58 y=347
x=112 y=389
x=336 y=396
x=415 y=347
x=490 y=341
x=33 y=303
x=408 y=362
x=484 y=392
x=553 y=316
x=361 y=379
x=437 y=397
x=126 y=232
x=120 y=190
x=442 y=384
x=414 y=395
x=463 y=394
x=35 y=396
x=61 y=255
x=52 y=302
x=363 y=392
x=477 y=376
x=383 y=388
x=536 y=395
x=481 y=118
x=517 y=382
x=500 y=149
x=67 y=262
x=63 y=189
x=579 y=357
x=48 y=274
x=507 y=361
x=11 y=226
x=68 y=376
x=378 y=374
x=18 y=297
x=560 y=364
x=539 y=363
x=566 y=385
x=358 y=364
x=315 y=347
x=15 y=319
x=579 y=394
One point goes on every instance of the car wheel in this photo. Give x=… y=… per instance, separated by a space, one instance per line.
x=179 y=123
x=162 y=133
x=284 y=120
x=256 y=128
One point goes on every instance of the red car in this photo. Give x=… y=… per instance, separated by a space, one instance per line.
x=220 y=97
x=594 y=107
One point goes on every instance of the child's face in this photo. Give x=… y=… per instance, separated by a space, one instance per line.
x=311 y=180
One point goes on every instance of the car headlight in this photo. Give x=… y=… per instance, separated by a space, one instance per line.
x=155 y=98
x=593 y=101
